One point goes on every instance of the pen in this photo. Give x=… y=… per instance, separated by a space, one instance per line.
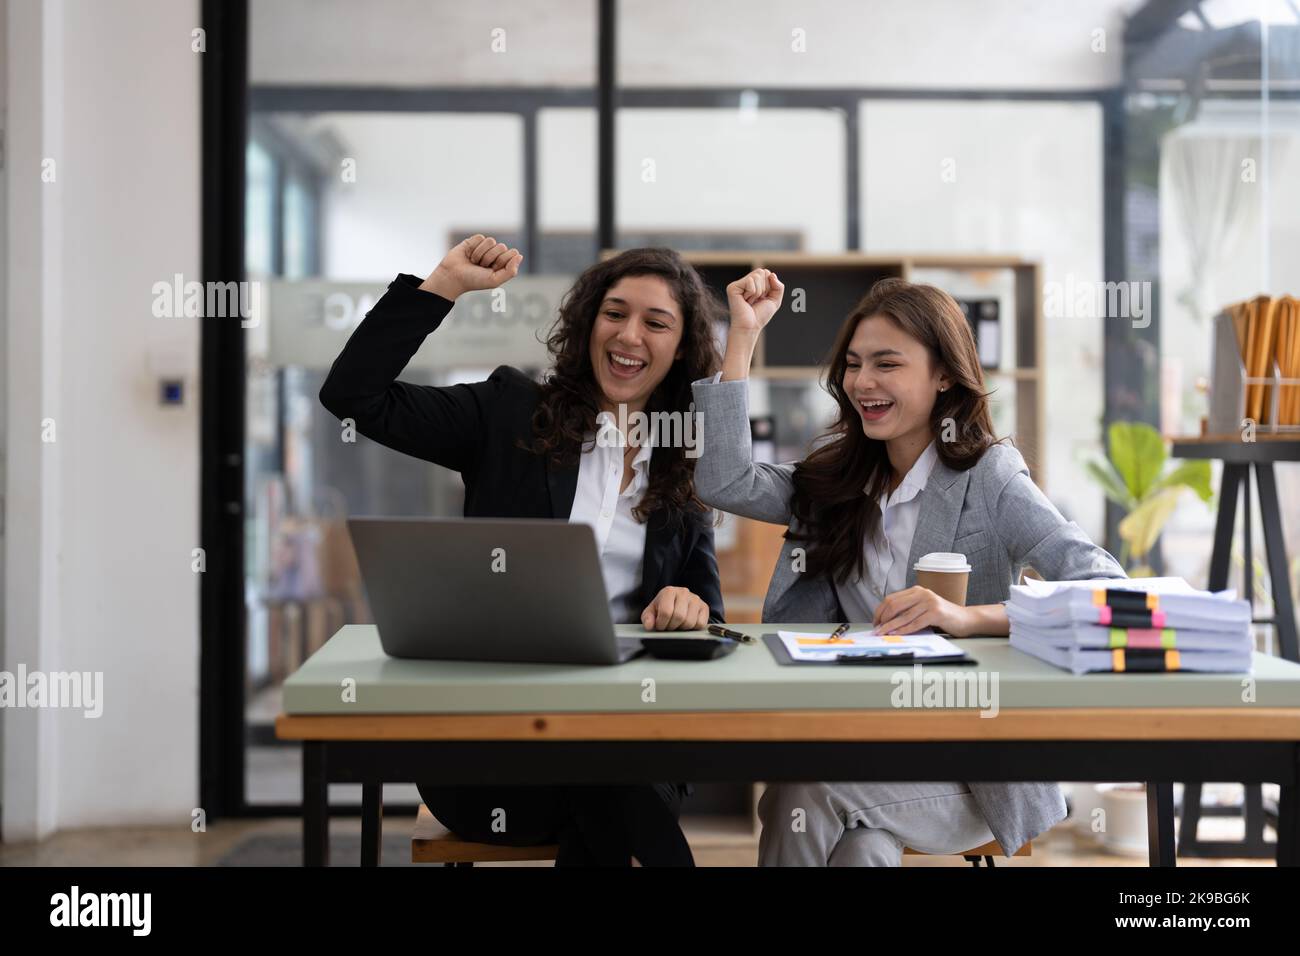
x=717 y=630
x=839 y=631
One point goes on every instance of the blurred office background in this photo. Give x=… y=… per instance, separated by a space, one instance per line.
x=1006 y=150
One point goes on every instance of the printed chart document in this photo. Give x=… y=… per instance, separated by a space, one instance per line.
x=819 y=647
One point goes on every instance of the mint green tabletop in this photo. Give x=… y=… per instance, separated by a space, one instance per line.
x=748 y=679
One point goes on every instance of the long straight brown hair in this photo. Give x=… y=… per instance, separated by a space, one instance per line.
x=837 y=488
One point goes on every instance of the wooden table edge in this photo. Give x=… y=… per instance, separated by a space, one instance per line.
x=1215 y=438
x=1074 y=723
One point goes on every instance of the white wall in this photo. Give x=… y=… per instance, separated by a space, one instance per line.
x=417 y=177
x=1026 y=180
x=936 y=44
x=712 y=169
x=422 y=43
x=1272 y=203
x=922 y=44
x=101 y=522
x=1239 y=272
x=420 y=175
x=30 y=514
x=4 y=286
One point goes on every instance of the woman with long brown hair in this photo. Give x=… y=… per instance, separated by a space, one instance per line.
x=910 y=466
x=633 y=332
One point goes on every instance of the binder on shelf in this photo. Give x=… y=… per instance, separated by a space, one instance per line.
x=985 y=323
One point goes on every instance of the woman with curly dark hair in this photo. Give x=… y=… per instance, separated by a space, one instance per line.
x=632 y=334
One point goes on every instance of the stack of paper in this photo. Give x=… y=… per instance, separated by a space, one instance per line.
x=1135 y=624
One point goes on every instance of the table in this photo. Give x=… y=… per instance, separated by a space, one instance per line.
x=744 y=718
x=1238 y=458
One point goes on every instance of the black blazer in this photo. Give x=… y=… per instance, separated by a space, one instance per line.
x=475 y=430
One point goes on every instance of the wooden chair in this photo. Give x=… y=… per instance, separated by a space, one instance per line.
x=433 y=843
x=972 y=856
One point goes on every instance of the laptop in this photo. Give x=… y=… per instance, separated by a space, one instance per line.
x=487 y=589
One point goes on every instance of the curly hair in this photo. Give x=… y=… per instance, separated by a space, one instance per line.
x=828 y=497
x=570 y=401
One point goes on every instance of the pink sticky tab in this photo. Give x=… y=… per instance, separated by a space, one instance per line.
x=1157 y=619
x=1143 y=637
x=1103 y=614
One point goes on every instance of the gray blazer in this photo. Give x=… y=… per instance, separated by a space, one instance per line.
x=993 y=513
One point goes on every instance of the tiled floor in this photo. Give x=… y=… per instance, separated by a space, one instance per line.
x=177 y=846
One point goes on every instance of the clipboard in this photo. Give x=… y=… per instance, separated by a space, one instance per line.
x=777 y=647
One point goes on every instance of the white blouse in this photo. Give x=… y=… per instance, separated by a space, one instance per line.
x=598 y=502
x=885 y=567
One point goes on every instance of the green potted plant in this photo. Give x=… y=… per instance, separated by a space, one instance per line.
x=1134 y=477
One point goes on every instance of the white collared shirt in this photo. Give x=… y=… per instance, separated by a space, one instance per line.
x=885 y=566
x=598 y=502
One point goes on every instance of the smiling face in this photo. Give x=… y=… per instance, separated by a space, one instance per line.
x=634 y=340
x=892 y=381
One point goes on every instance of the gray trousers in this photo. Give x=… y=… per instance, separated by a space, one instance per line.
x=865 y=824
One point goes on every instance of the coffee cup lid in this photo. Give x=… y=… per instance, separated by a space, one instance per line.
x=942 y=561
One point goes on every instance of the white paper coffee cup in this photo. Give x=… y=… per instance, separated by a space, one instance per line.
x=946 y=573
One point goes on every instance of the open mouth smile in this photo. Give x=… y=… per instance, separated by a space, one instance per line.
x=874 y=409
x=623 y=365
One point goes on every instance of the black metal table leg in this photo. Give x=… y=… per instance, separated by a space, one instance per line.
x=1160 y=824
x=315 y=805
x=1252 y=845
x=1220 y=563
x=1191 y=819
x=1225 y=523
x=1279 y=575
x=372 y=822
x=1234 y=483
x=1247 y=544
x=1288 y=823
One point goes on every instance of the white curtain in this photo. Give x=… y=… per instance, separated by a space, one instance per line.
x=1203 y=172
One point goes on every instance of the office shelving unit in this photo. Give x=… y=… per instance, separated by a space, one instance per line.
x=835 y=283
